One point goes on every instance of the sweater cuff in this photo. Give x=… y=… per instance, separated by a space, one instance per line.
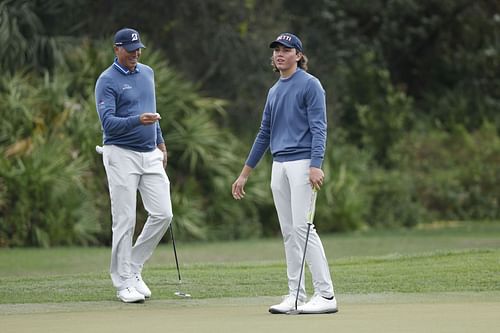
x=316 y=163
x=135 y=120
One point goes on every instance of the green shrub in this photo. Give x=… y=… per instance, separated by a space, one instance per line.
x=44 y=198
x=45 y=202
x=393 y=200
x=457 y=174
x=343 y=203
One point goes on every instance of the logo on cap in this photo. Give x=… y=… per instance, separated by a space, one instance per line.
x=288 y=40
x=129 y=39
x=284 y=37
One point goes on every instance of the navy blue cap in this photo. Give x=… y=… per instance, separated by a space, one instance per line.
x=129 y=39
x=289 y=40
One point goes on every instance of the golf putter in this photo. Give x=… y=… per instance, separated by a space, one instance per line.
x=310 y=218
x=178 y=292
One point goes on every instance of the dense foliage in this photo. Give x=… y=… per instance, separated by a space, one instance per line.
x=413 y=107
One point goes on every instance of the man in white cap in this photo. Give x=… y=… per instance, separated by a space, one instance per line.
x=135 y=157
x=294 y=128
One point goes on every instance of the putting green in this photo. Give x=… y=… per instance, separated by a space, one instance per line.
x=443 y=312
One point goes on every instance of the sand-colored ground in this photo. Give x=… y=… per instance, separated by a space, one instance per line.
x=444 y=312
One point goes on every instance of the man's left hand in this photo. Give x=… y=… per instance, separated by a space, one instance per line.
x=149 y=118
x=165 y=159
x=316 y=177
x=163 y=148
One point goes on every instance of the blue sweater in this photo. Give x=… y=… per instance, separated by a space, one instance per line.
x=294 y=122
x=121 y=97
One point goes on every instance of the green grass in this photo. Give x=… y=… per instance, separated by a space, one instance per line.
x=449 y=258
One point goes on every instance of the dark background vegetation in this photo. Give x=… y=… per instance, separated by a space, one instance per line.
x=413 y=98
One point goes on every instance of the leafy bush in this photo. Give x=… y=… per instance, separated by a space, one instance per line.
x=383 y=173
x=373 y=112
x=45 y=200
x=343 y=203
x=394 y=202
x=457 y=175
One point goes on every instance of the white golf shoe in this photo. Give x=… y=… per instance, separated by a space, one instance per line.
x=319 y=304
x=288 y=304
x=130 y=295
x=141 y=286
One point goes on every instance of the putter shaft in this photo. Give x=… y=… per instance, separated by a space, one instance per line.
x=310 y=218
x=178 y=292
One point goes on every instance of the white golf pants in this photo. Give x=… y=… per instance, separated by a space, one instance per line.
x=292 y=197
x=128 y=171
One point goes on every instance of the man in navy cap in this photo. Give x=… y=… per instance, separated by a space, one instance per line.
x=135 y=158
x=294 y=128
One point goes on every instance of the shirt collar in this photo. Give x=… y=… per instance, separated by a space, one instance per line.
x=123 y=69
x=292 y=75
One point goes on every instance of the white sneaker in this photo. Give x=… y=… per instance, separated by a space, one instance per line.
x=288 y=304
x=319 y=304
x=140 y=286
x=130 y=295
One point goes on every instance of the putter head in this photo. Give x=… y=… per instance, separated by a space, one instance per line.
x=182 y=294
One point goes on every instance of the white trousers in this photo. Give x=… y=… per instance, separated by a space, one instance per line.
x=128 y=171
x=292 y=197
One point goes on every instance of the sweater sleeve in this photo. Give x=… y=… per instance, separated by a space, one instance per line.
x=105 y=96
x=159 y=135
x=261 y=143
x=316 y=115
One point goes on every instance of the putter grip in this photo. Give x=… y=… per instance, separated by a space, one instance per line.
x=312 y=207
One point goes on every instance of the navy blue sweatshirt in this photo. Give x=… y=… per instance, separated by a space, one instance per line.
x=294 y=121
x=121 y=97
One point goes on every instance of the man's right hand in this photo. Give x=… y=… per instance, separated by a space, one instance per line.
x=149 y=118
x=238 y=188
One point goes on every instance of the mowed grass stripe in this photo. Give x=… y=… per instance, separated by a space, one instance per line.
x=474 y=270
x=466 y=270
x=435 y=237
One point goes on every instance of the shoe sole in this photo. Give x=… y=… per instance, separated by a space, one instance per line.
x=131 y=301
x=274 y=311
x=137 y=301
x=320 y=312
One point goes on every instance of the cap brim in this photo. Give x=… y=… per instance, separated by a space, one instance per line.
x=273 y=44
x=133 y=46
